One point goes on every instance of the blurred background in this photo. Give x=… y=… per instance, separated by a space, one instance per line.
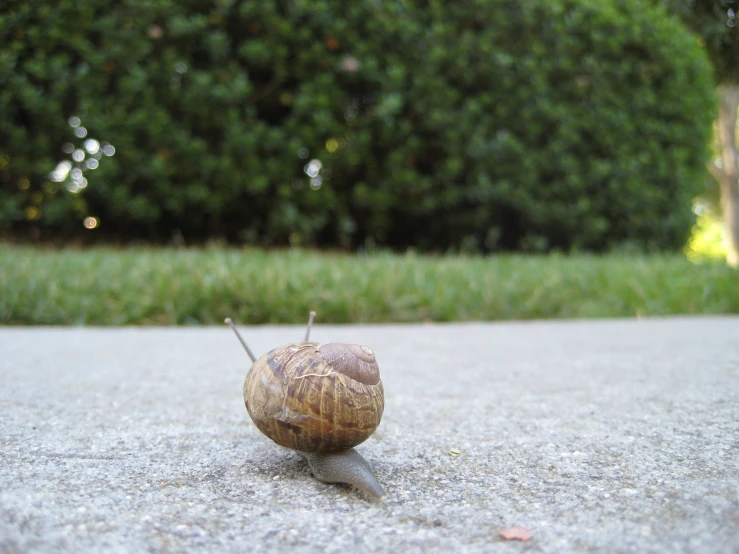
x=473 y=128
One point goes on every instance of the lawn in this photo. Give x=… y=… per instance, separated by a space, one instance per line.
x=156 y=286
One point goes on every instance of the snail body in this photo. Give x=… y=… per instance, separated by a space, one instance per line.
x=320 y=400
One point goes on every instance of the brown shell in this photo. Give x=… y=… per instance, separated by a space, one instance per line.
x=300 y=397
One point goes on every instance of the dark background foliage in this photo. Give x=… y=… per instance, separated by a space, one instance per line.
x=717 y=23
x=484 y=125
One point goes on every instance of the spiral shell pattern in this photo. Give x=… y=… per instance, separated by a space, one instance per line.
x=315 y=398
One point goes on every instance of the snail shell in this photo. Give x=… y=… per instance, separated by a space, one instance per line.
x=316 y=398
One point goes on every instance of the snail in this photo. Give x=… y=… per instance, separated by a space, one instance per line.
x=320 y=400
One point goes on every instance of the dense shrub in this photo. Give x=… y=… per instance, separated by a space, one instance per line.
x=479 y=125
x=542 y=124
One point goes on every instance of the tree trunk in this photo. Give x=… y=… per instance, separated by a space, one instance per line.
x=728 y=173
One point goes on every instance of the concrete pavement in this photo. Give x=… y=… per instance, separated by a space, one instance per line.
x=596 y=436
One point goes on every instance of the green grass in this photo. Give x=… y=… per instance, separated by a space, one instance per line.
x=106 y=286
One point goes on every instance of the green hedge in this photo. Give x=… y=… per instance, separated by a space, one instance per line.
x=482 y=125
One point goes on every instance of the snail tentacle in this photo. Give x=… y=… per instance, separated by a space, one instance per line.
x=241 y=339
x=310 y=324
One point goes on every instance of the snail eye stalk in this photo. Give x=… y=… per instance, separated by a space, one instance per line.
x=241 y=340
x=310 y=324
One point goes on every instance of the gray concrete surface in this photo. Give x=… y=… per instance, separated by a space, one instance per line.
x=597 y=436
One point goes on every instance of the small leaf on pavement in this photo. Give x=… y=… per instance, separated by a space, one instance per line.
x=515 y=534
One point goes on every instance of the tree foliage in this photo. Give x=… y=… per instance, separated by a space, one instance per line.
x=485 y=125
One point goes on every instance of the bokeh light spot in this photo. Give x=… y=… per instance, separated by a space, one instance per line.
x=61 y=171
x=74 y=121
x=80 y=132
x=92 y=146
x=91 y=222
x=312 y=168
x=332 y=145
x=286 y=98
x=32 y=213
x=350 y=64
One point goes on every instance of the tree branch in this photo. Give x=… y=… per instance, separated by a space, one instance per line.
x=717 y=173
